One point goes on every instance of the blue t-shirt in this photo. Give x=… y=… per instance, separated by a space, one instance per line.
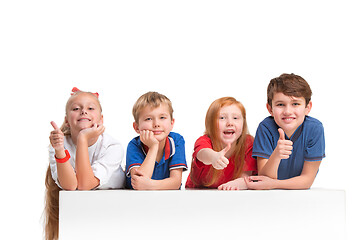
x=174 y=157
x=308 y=145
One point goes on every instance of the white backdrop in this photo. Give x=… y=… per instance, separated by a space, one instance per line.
x=192 y=51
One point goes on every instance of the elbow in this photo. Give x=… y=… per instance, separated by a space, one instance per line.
x=307 y=186
x=178 y=186
x=84 y=187
x=69 y=188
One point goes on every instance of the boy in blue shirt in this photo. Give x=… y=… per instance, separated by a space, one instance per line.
x=289 y=145
x=156 y=158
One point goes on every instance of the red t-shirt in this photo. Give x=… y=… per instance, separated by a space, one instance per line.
x=199 y=170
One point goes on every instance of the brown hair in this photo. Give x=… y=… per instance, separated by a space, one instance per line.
x=290 y=85
x=152 y=99
x=212 y=130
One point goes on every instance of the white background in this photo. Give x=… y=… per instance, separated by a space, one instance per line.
x=192 y=51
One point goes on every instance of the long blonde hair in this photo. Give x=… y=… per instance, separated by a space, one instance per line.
x=51 y=211
x=51 y=220
x=212 y=130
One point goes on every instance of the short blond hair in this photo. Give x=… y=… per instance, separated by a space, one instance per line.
x=152 y=99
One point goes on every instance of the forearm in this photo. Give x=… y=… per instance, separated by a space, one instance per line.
x=269 y=167
x=66 y=176
x=205 y=155
x=141 y=182
x=299 y=182
x=147 y=167
x=84 y=173
x=167 y=184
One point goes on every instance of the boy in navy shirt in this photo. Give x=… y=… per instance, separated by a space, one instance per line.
x=156 y=158
x=289 y=145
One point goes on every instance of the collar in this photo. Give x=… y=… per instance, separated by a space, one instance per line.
x=169 y=150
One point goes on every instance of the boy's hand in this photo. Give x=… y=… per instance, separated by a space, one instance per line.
x=139 y=181
x=219 y=161
x=147 y=137
x=260 y=182
x=284 y=147
x=56 y=138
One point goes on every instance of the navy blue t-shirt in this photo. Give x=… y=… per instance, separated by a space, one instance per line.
x=308 y=145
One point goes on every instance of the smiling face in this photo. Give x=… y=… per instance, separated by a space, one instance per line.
x=288 y=112
x=157 y=120
x=230 y=124
x=83 y=111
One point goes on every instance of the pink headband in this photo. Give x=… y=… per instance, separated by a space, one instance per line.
x=75 y=89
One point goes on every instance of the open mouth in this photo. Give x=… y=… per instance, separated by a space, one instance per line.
x=288 y=119
x=229 y=132
x=84 y=120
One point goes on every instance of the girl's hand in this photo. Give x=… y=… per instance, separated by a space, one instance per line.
x=147 y=137
x=237 y=184
x=219 y=161
x=57 y=138
x=91 y=133
x=139 y=181
x=284 y=147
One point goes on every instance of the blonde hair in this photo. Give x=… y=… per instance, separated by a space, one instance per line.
x=51 y=211
x=64 y=127
x=212 y=130
x=51 y=220
x=152 y=99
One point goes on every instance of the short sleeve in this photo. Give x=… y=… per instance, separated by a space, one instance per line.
x=263 y=143
x=178 y=160
x=108 y=166
x=52 y=164
x=199 y=170
x=315 y=145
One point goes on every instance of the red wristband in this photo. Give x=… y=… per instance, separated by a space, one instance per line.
x=65 y=159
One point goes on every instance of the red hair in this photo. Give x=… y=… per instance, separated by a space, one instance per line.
x=212 y=130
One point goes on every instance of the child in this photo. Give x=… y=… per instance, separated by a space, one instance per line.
x=222 y=157
x=289 y=145
x=81 y=155
x=156 y=158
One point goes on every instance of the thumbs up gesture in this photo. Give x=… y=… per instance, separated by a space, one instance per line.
x=56 y=138
x=284 y=147
x=219 y=161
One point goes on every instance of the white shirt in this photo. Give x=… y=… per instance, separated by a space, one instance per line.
x=105 y=156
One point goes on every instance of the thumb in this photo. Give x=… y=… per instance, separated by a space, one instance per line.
x=226 y=149
x=282 y=134
x=54 y=125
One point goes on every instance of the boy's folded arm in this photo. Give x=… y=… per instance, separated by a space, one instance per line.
x=171 y=183
x=268 y=167
x=147 y=167
x=305 y=180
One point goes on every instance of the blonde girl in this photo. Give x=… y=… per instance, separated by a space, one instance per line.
x=222 y=156
x=82 y=156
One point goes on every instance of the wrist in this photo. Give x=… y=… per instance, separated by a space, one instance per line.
x=63 y=157
x=60 y=153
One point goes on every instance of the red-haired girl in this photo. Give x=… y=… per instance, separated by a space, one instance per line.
x=81 y=156
x=222 y=157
